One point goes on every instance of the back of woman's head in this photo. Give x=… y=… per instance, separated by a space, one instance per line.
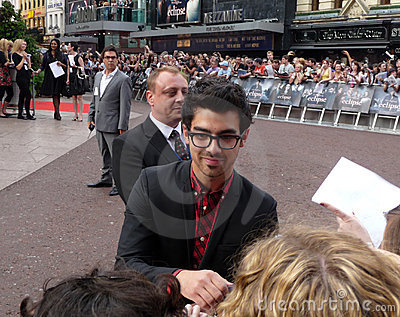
x=391 y=238
x=110 y=294
x=313 y=273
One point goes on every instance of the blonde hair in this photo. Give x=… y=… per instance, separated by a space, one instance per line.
x=304 y=272
x=151 y=81
x=17 y=45
x=4 y=47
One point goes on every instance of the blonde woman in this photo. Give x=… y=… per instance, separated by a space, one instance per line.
x=307 y=273
x=22 y=63
x=5 y=77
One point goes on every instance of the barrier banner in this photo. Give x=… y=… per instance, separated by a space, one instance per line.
x=385 y=103
x=317 y=95
x=258 y=89
x=354 y=98
x=288 y=94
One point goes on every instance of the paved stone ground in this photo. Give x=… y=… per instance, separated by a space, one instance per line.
x=53 y=226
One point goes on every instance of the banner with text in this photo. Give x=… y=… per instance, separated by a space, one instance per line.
x=386 y=103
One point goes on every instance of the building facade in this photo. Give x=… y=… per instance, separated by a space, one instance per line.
x=34 y=14
x=88 y=21
x=239 y=26
x=368 y=29
x=55 y=19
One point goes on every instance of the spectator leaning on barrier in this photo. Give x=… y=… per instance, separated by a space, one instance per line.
x=382 y=73
x=391 y=81
x=225 y=71
x=213 y=70
x=298 y=76
x=259 y=67
x=286 y=69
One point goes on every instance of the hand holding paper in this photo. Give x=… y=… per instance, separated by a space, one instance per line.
x=352 y=188
x=56 y=69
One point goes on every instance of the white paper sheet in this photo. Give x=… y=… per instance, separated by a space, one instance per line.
x=57 y=70
x=353 y=188
x=71 y=60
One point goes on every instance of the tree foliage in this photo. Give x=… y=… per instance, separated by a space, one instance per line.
x=12 y=27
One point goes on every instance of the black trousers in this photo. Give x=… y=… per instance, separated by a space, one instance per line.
x=24 y=96
x=8 y=90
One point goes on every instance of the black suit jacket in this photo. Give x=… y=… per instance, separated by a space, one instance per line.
x=158 y=232
x=141 y=147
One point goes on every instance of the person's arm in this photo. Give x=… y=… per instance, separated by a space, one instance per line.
x=92 y=107
x=348 y=57
x=349 y=224
x=21 y=63
x=125 y=105
x=136 y=242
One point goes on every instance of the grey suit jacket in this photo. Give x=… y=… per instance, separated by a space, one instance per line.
x=110 y=112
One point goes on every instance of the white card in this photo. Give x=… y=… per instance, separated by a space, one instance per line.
x=96 y=91
x=353 y=188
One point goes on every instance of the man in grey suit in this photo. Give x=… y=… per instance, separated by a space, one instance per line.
x=151 y=143
x=109 y=111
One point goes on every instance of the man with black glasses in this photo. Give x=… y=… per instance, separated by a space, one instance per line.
x=109 y=111
x=189 y=218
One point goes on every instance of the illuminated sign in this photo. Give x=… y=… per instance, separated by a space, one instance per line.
x=223 y=16
x=178 y=12
x=31 y=14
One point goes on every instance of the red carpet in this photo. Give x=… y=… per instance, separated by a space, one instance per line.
x=64 y=106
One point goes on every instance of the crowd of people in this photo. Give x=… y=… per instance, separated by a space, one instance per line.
x=189 y=214
x=138 y=67
x=289 y=67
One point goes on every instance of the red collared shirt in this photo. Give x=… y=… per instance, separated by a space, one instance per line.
x=207 y=206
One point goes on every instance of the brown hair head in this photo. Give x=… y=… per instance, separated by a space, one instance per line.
x=110 y=294
x=391 y=238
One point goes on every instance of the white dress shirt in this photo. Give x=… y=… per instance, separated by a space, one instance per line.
x=166 y=130
x=105 y=80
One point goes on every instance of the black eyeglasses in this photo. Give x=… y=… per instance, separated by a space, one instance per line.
x=110 y=57
x=225 y=142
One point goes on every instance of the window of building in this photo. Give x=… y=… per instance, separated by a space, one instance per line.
x=34 y=3
x=42 y=3
x=29 y=5
x=338 y=4
x=315 y=5
x=56 y=20
x=50 y=21
x=385 y=1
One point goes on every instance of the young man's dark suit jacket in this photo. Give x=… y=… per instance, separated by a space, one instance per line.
x=135 y=150
x=158 y=232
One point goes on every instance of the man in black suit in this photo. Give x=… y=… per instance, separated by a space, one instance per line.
x=189 y=218
x=150 y=143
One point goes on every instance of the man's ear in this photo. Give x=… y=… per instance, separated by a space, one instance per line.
x=150 y=97
x=244 y=137
x=185 y=131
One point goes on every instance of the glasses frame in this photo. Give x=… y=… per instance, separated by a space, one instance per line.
x=110 y=57
x=218 y=138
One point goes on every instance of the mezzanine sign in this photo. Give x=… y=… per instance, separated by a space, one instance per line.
x=223 y=16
